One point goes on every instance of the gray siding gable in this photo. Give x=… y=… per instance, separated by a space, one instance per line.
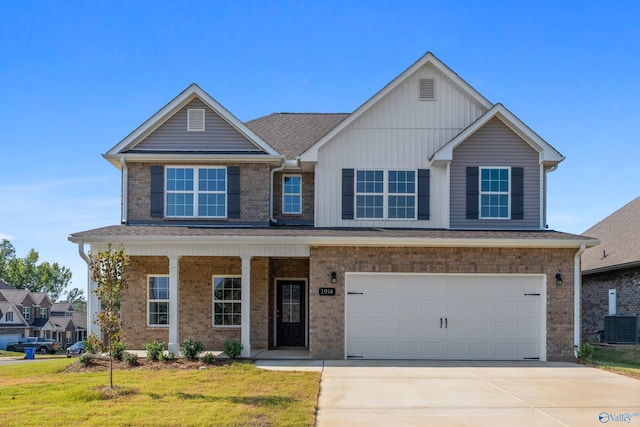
x=218 y=137
x=495 y=145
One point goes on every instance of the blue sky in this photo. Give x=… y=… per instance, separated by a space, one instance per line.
x=77 y=77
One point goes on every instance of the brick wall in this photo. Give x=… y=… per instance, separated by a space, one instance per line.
x=254 y=194
x=196 y=301
x=326 y=320
x=595 y=298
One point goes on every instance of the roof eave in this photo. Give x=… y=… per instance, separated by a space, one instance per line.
x=604 y=269
x=116 y=159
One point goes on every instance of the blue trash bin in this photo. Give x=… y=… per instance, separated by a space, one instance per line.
x=30 y=353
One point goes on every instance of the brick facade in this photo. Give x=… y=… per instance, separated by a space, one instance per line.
x=595 y=298
x=254 y=198
x=308 y=189
x=326 y=318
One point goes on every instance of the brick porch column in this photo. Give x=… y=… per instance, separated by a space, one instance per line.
x=174 y=333
x=245 y=333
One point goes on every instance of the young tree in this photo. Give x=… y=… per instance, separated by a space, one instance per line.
x=109 y=271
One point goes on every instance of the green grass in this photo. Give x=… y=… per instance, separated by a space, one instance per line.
x=624 y=360
x=4 y=353
x=237 y=394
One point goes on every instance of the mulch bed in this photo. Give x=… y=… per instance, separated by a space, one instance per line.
x=102 y=364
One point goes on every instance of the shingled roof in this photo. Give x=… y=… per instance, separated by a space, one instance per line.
x=292 y=133
x=619 y=236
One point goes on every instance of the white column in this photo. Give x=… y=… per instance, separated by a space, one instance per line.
x=246 y=306
x=174 y=340
x=93 y=307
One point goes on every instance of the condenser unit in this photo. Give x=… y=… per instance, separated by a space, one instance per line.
x=621 y=329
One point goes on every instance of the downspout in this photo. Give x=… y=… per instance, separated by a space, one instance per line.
x=577 y=281
x=125 y=192
x=273 y=172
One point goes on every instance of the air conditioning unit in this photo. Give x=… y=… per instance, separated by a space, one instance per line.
x=621 y=329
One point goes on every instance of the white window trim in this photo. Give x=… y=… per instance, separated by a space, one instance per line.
x=196 y=191
x=385 y=195
x=26 y=313
x=291 y=194
x=149 y=301
x=43 y=313
x=486 y=193
x=213 y=300
x=189 y=124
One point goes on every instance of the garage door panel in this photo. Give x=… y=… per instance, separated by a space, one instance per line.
x=483 y=317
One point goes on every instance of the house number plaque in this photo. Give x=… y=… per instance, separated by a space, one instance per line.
x=327 y=291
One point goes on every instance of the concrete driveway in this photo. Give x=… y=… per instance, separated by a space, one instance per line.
x=407 y=393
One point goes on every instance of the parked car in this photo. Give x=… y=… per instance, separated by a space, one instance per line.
x=76 y=349
x=42 y=345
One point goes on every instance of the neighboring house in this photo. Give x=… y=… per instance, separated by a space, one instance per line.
x=12 y=324
x=72 y=324
x=612 y=265
x=414 y=227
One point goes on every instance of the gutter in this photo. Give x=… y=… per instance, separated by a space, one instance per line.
x=577 y=281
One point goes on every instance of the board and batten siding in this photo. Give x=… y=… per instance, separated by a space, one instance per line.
x=495 y=145
x=398 y=132
x=218 y=136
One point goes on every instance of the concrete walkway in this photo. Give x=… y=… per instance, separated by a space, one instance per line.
x=440 y=393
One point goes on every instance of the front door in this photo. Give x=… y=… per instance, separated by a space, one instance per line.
x=290 y=313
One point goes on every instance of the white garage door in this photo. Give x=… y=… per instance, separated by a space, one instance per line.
x=6 y=338
x=459 y=317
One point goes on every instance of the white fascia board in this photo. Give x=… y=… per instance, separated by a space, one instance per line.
x=166 y=112
x=311 y=154
x=193 y=157
x=337 y=241
x=547 y=153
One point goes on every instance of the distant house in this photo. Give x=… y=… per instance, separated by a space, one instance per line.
x=412 y=228
x=612 y=265
x=72 y=324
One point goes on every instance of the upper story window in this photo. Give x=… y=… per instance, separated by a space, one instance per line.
x=494 y=193
x=158 y=300
x=227 y=301
x=8 y=317
x=43 y=312
x=196 y=192
x=291 y=194
x=26 y=313
x=385 y=194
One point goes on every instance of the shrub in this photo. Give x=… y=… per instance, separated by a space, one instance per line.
x=92 y=344
x=232 y=348
x=170 y=356
x=585 y=352
x=130 y=359
x=118 y=350
x=208 y=358
x=154 y=350
x=191 y=349
x=86 y=359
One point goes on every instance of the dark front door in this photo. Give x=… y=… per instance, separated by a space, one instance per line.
x=291 y=319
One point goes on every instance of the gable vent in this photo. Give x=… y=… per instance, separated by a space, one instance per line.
x=195 y=120
x=427 y=89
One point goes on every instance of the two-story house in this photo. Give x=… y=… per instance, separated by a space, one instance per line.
x=24 y=313
x=414 y=227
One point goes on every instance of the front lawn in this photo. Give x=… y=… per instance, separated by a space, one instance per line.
x=236 y=394
x=624 y=360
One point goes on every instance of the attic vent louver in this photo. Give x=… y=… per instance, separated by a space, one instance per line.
x=195 y=120
x=427 y=89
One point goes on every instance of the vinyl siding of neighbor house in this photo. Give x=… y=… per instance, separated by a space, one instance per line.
x=218 y=136
x=398 y=132
x=495 y=145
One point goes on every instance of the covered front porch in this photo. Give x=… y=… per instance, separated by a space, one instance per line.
x=255 y=294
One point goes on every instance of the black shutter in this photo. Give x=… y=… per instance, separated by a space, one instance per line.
x=157 y=191
x=517 y=193
x=472 y=192
x=347 y=193
x=424 y=179
x=233 y=192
